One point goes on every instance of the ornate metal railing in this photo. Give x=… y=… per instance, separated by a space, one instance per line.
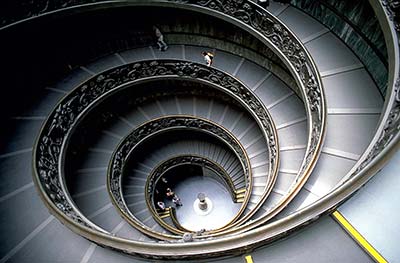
x=273 y=33
x=52 y=142
x=364 y=39
x=387 y=135
x=146 y=132
x=165 y=166
x=385 y=142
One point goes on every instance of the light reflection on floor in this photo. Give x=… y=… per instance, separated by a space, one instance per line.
x=223 y=207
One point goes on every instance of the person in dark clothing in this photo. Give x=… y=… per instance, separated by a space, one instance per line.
x=176 y=200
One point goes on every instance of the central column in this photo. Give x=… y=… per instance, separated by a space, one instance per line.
x=202 y=201
x=202 y=205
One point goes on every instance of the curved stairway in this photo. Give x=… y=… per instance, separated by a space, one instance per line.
x=87 y=187
x=291 y=125
x=352 y=120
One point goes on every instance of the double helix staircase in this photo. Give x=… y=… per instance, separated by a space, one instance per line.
x=255 y=122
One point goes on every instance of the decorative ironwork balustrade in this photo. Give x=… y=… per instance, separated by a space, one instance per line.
x=267 y=28
x=51 y=145
x=53 y=140
x=146 y=132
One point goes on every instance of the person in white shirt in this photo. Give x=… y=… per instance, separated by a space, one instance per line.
x=208 y=57
x=162 y=46
x=161 y=205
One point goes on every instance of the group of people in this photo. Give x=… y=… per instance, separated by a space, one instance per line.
x=162 y=46
x=170 y=195
x=174 y=197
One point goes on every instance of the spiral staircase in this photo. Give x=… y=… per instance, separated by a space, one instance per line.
x=282 y=133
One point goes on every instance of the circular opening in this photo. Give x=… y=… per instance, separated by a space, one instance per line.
x=204 y=201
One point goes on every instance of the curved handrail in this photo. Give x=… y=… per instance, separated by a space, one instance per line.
x=386 y=144
x=172 y=214
x=286 y=45
x=279 y=38
x=61 y=122
x=258 y=110
x=176 y=161
x=146 y=132
x=273 y=33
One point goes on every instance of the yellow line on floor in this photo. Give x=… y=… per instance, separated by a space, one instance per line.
x=249 y=259
x=358 y=237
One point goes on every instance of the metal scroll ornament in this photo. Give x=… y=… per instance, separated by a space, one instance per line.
x=391 y=126
x=392 y=8
x=280 y=37
x=54 y=136
x=179 y=160
x=146 y=132
x=157 y=126
x=161 y=169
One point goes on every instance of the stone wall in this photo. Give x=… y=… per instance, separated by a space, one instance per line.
x=354 y=22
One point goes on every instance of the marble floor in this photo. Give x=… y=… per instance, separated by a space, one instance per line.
x=222 y=211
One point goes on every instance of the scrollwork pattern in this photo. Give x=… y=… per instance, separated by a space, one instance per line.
x=160 y=170
x=391 y=126
x=61 y=121
x=390 y=130
x=258 y=19
x=150 y=128
x=56 y=129
x=392 y=8
x=52 y=138
x=277 y=35
x=280 y=37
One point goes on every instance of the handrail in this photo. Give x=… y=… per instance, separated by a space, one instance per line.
x=354 y=26
x=388 y=129
x=172 y=214
x=286 y=45
x=176 y=161
x=262 y=117
x=146 y=132
x=377 y=75
x=60 y=124
x=268 y=29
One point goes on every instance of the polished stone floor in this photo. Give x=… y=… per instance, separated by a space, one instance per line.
x=223 y=208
